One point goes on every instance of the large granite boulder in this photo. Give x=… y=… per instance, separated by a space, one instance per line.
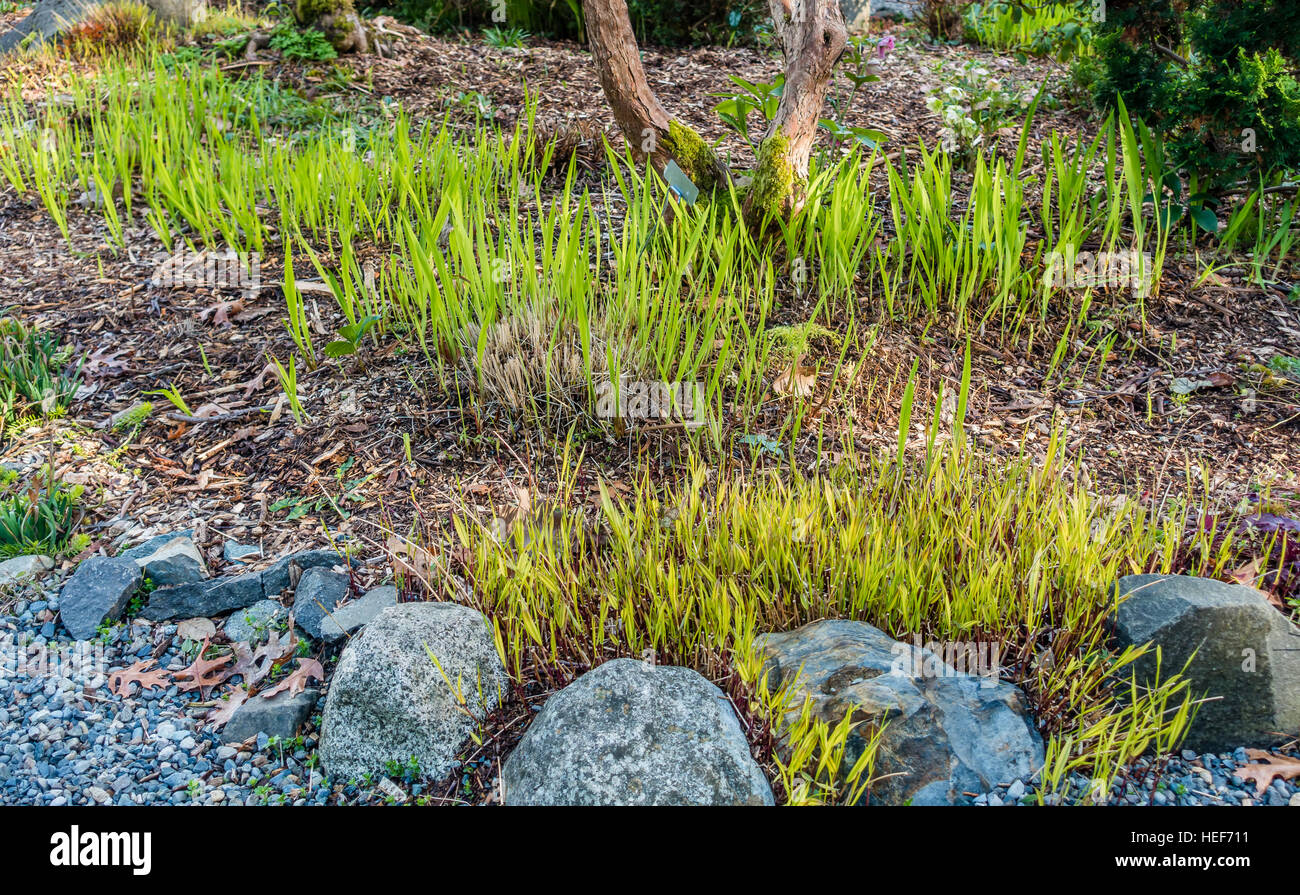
x=1247 y=655
x=389 y=701
x=948 y=732
x=631 y=733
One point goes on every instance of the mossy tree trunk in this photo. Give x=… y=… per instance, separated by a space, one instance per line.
x=646 y=125
x=812 y=37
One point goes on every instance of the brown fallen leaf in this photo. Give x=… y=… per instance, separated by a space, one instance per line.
x=203 y=674
x=409 y=559
x=1263 y=774
x=796 y=380
x=253 y=665
x=225 y=710
x=1247 y=574
x=296 y=682
x=222 y=311
x=121 y=679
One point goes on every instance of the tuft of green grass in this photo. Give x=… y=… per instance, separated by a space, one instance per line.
x=504 y=38
x=37 y=374
x=39 y=520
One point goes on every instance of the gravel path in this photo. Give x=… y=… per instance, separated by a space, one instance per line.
x=67 y=739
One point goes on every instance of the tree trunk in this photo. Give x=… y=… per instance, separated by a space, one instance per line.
x=646 y=125
x=812 y=36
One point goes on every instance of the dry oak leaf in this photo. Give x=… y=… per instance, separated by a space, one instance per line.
x=121 y=679
x=1263 y=774
x=225 y=710
x=204 y=674
x=796 y=380
x=297 y=682
x=255 y=665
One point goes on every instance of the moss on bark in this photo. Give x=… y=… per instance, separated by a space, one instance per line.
x=772 y=192
x=693 y=155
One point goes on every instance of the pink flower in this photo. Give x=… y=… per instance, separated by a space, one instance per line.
x=884 y=45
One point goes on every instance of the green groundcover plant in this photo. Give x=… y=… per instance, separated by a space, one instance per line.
x=1217 y=78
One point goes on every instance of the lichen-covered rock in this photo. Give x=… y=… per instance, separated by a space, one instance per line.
x=947 y=731
x=631 y=733
x=1247 y=655
x=389 y=702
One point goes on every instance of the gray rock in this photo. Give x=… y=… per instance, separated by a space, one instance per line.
x=631 y=733
x=1247 y=655
x=946 y=733
x=387 y=700
x=356 y=614
x=173 y=561
x=278 y=577
x=281 y=716
x=154 y=544
x=319 y=591
x=218 y=596
x=98 y=591
x=23 y=567
x=256 y=623
x=858 y=13
x=206 y=598
x=232 y=551
x=50 y=18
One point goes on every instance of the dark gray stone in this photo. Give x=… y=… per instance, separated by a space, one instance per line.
x=280 y=716
x=946 y=732
x=151 y=546
x=388 y=701
x=319 y=591
x=205 y=598
x=356 y=614
x=1247 y=655
x=276 y=579
x=632 y=733
x=256 y=623
x=169 y=561
x=98 y=591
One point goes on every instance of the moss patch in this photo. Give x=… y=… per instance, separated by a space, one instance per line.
x=773 y=186
x=308 y=12
x=693 y=155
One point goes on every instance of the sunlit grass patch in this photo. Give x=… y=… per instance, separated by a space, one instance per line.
x=940 y=544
